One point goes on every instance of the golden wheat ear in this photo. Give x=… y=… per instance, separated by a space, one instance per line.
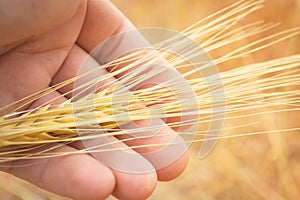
x=34 y=133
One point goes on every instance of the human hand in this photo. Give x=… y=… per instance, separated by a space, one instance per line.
x=43 y=43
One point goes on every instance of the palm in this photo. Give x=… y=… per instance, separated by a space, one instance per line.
x=27 y=66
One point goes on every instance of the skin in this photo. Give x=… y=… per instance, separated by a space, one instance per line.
x=41 y=44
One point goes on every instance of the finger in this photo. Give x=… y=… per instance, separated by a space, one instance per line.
x=75 y=176
x=164 y=148
x=53 y=98
x=77 y=63
x=135 y=176
x=101 y=22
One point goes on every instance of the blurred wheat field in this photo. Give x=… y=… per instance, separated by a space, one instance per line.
x=248 y=167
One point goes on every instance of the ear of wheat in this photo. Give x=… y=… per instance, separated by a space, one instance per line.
x=24 y=133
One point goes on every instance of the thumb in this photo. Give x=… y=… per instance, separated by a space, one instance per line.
x=22 y=19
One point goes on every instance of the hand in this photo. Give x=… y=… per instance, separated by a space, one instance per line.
x=43 y=43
